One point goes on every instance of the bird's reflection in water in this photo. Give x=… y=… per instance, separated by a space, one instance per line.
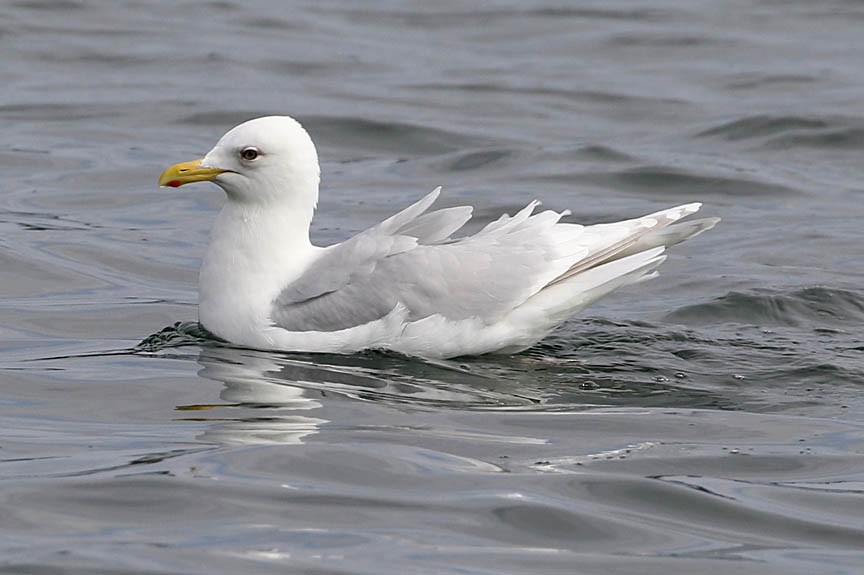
x=260 y=403
x=267 y=397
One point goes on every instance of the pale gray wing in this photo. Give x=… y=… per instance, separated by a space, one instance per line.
x=456 y=280
x=409 y=259
x=359 y=255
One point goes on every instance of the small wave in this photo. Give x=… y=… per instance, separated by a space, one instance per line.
x=477 y=159
x=399 y=137
x=220 y=118
x=604 y=153
x=840 y=138
x=57 y=112
x=793 y=131
x=677 y=181
x=757 y=81
x=663 y=39
x=762 y=125
x=814 y=306
x=469 y=16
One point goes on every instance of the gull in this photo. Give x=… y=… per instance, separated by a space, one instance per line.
x=406 y=284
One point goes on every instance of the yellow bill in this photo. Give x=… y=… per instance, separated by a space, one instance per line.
x=186 y=173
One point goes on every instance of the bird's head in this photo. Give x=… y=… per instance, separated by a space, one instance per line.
x=262 y=161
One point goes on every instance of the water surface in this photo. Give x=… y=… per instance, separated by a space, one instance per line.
x=708 y=421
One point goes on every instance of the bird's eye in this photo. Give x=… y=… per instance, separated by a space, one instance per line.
x=250 y=154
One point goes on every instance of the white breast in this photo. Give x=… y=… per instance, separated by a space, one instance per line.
x=242 y=273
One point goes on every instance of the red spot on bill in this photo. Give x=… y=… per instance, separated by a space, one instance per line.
x=174 y=183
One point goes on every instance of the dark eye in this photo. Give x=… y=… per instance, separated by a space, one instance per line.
x=249 y=154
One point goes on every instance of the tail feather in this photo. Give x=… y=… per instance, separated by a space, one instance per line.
x=597 y=260
x=563 y=298
x=640 y=234
x=669 y=236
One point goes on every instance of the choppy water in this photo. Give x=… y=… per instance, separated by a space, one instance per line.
x=709 y=421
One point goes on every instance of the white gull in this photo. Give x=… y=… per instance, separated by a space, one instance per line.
x=405 y=284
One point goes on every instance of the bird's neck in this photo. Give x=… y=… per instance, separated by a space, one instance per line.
x=263 y=230
x=254 y=251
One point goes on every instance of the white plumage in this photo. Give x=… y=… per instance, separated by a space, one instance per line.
x=405 y=284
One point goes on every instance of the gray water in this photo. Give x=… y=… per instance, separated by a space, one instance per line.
x=709 y=421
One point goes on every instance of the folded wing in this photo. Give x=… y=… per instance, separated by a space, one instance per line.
x=410 y=261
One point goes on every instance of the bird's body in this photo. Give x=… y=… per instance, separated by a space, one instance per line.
x=405 y=284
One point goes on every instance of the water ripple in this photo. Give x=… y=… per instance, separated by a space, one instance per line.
x=808 y=306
